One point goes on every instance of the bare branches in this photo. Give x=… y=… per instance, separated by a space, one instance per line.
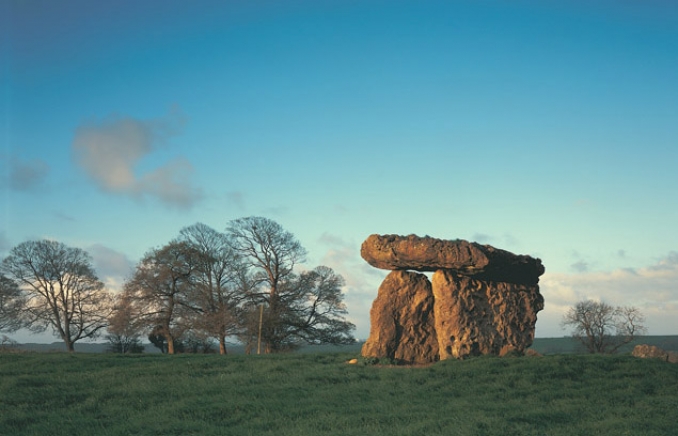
x=268 y=248
x=297 y=308
x=162 y=289
x=209 y=284
x=222 y=283
x=12 y=303
x=60 y=288
x=602 y=328
x=205 y=284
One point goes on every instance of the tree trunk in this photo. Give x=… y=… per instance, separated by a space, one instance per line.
x=222 y=345
x=170 y=345
x=65 y=333
x=65 y=336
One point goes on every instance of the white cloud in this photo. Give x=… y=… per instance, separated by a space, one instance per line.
x=362 y=280
x=110 y=153
x=653 y=289
x=112 y=267
x=171 y=184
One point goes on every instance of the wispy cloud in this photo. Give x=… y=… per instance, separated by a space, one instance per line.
x=110 y=152
x=580 y=266
x=653 y=289
x=362 y=280
x=111 y=266
x=25 y=175
x=667 y=264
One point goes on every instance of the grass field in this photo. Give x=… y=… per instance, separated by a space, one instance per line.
x=319 y=394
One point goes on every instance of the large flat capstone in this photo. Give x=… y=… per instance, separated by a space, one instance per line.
x=426 y=254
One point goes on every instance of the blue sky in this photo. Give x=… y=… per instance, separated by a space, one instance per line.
x=543 y=128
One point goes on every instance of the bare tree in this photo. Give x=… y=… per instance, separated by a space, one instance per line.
x=313 y=309
x=162 y=290
x=219 y=283
x=286 y=309
x=271 y=253
x=267 y=248
x=11 y=304
x=602 y=328
x=61 y=289
x=124 y=327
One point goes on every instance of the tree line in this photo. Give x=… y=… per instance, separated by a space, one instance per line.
x=202 y=286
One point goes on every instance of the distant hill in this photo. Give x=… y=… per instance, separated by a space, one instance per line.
x=565 y=345
x=570 y=345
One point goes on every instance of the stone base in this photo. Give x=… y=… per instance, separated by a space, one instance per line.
x=414 y=321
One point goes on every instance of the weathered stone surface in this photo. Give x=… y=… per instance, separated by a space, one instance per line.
x=483 y=300
x=393 y=252
x=402 y=322
x=475 y=317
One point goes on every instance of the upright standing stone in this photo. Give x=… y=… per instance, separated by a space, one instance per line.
x=402 y=320
x=475 y=317
x=483 y=300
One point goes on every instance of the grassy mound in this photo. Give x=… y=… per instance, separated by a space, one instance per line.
x=312 y=394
